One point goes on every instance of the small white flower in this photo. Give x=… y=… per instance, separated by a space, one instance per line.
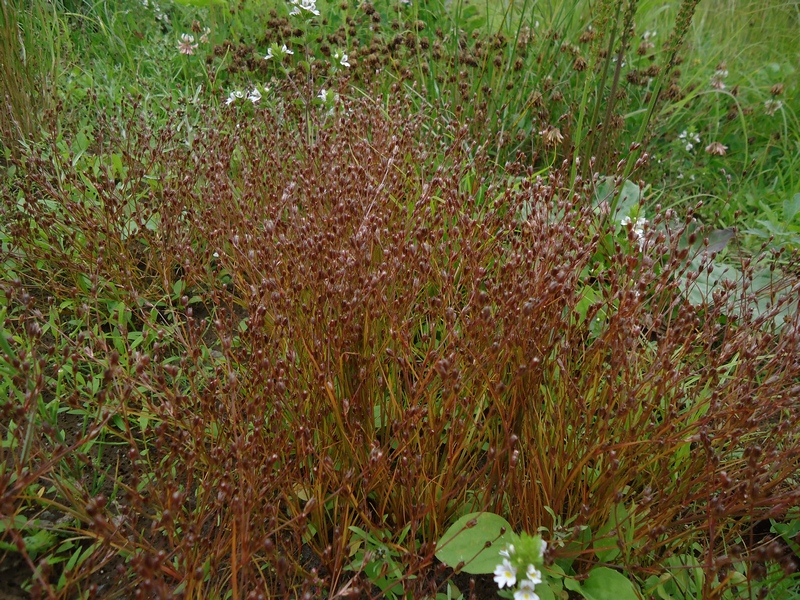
x=254 y=96
x=689 y=146
x=533 y=575
x=525 y=592
x=508 y=551
x=285 y=50
x=323 y=95
x=505 y=574
x=215 y=255
x=682 y=135
x=638 y=229
x=342 y=59
x=269 y=54
x=204 y=37
x=234 y=96
x=543 y=547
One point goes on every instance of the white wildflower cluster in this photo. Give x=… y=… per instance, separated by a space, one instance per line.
x=159 y=14
x=690 y=139
x=637 y=228
x=300 y=6
x=254 y=95
x=520 y=567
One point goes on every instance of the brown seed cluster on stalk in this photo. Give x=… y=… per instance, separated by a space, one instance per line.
x=369 y=326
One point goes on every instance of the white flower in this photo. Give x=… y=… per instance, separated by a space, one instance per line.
x=682 y=135
x=508 y=551
x=505 y=574
x=187 y=45
x=254 y=96
x=204 y=37
x=285 y=50
x=638 y=229
x=525 y=592
x=269 y=54
x=234 y=95
x=342 y=59
x=533 y=575
x=689 y=146
x=323 y=95
x=543 y=547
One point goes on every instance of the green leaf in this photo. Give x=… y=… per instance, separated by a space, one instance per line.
x=545 y=591
x=465 y=541
x=791 y=206
x=605 y=544
x=605 y=584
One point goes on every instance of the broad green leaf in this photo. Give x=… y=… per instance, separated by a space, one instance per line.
x=545 y=591
x=605 y=584
x=465 y=541
x=628 y=201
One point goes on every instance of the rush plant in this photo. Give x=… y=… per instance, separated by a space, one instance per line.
x=305 y=343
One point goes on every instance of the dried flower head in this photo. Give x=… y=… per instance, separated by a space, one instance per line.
x=715 y=148
x=580 y=64
x=551 y=136
x=776 y=90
